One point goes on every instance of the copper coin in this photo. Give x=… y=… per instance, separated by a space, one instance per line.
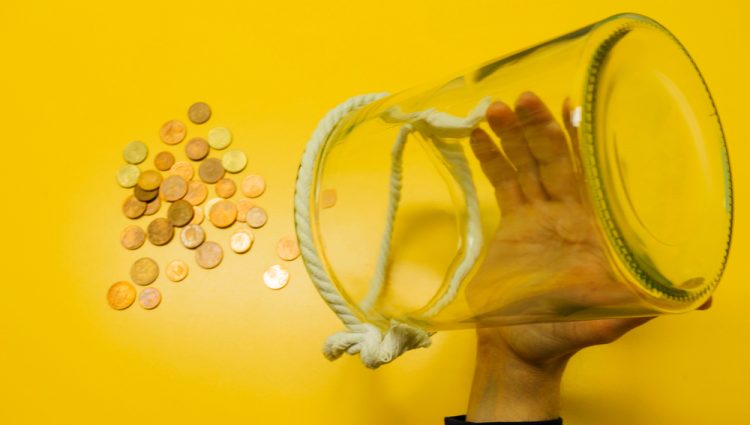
x=149 y=180
x=183 y=169
x=176 y=270
x=287 y=248
x=199 y=112
x=223 y=214
x=276 y=277
x=197 y=148
x=256 y=217
x=209 y=255
x=225 y=188
x=210 y=204
x=160 y=231
x=174 y=188
x=153 y=207
x=192 y=236
x=132 y=237
x=121 y=295
x=211 y=170
x=164 y=160
x=145 y=195
x=172 y=132
x=180 y=213
x=253 y=186
x=150 y=298
x=243 y=206
x=327 y=198
x=196 y=192
x=241 y=241
x=144 y=271
x=197 y=215
x=133 y=208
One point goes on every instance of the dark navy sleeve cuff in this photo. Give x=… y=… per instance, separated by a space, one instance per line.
x=461 y=420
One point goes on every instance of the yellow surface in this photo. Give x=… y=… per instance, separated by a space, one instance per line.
x=78 y=81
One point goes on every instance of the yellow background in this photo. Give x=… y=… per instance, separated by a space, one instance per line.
x=79 y=80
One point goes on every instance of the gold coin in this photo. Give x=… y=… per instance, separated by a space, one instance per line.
x=144 y=271
x=243 y=206
x=256 y=217
x=182 y=169
x=241 y=241
x=192 y=236
x=287 y=248
x=197 y=148
x=149 y=180
x=172 y=132
x=164 y=160
x=211 y=170
x=210 y=204
x=153 y=207
x=180 y=213
x=135 y=152
x=127 y=175
x=196 y=192
x=327 y=198
x=133 y=208
x=209 y=255
x=276 y=277
x=145 y=195
x=225 y=188
x=199 y=112
x=121 y=295
x=160 y=231
x=132 y=237
x=150 y=298
x=174 y=188
x=253 y=186
x=234 y=161
x=223 y=214
x=176 y=270
x=219 y=137
x=197 y=215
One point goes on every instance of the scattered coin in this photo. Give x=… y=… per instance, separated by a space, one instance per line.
x=219 y=137
x=253 y=186
x=121 y=295
x=174 y=188
x=164 y=160
x=153 y=207
x=127 y=175
x=180 y=213
x=243 y=206
x=234 y=161
x=182 y=169
x=256 y=217
x=197 y=148
x=149 y=180
x=197 y=215
x=144 y=271
x=276 y=277
x=133 y=208
x=160 y=231
x=241 y=241
x=225 y=188
x=145 y=195
x=135 y=152
x=327 y=198
x=196 y=192
x=210 y=204
x=172 y=132
x=209 y=255
x=150 y=298
x=199 y=112
x=223 y=213
x=176 y=270
x=132 y=237
x=192 y=236
x=211 y=170
x=287 y=248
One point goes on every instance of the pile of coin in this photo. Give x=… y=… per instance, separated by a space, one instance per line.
x=175 y=185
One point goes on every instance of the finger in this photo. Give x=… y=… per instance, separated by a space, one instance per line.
x=497 y=169
x=706 y=305
x=505 y=125
x=548 y=146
